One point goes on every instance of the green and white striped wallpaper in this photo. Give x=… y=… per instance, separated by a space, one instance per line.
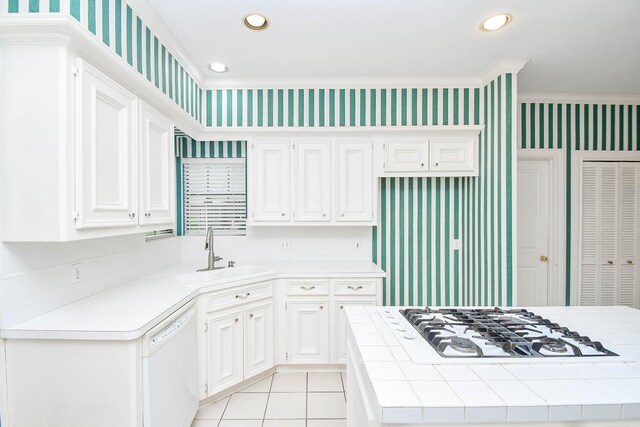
x=335 y=107
x=578 y=127
x=420 y=218
x=117 y=26
x=187 y=147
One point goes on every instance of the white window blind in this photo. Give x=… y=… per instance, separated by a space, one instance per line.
x=215 y=195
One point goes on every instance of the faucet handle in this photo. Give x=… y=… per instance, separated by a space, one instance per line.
x=218 y=258
x=232 y=263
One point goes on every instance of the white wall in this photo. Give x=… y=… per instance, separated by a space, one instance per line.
x=35 y=278
x=306 y=244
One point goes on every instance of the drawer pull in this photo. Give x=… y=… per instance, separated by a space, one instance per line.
x=354 y=288
x=243 y=296
x=307 y=288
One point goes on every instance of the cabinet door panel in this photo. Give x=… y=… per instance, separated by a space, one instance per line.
x=312 y=181
x=451 y=155
x=406 y=156
x=355 y=181
x=258 y=353
x=224 y=351
x=308 y=329
x=157 y=168
x=339 y=328
x=269 y=190
x=105 y=147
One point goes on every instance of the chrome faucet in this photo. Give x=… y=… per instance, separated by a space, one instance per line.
x=208 y=246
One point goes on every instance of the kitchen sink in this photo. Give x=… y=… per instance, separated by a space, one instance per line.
x=211 y=277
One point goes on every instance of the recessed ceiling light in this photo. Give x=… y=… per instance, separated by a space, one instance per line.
x=218 y=67
x=255 y=21
x=495 y=22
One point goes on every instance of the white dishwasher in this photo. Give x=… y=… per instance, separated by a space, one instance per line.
x=170 y=370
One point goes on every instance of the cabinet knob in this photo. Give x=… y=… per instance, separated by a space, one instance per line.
x=436 y=164
x=342 y=215
x=421 y=164
x=282 y=213
x=342 y=307
x=321 y=307
x=251 y=316
x=324 y=214
x=610 y=262
x=132 y=215
x=149 y=214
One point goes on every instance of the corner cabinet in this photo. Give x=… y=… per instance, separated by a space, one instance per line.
x=311 y=181
x=97 y=162
x=454 y=152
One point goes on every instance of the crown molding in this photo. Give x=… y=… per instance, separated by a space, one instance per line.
x=502 y=66
x=576 y=98
x=341 y=82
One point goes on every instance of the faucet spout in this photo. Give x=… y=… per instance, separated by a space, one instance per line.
x=208 y=246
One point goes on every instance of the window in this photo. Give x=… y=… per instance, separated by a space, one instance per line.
x=214 y=194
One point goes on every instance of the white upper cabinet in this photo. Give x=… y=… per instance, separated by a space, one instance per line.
x=406 y=155
x=105 y=167
x=269 y=181
x=355 y=180
x=157 y=171
x=442 y=153
x=312 y=183
x=451 y=155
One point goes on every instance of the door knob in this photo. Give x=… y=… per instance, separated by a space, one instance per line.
x=544 y=258
x=610 y=262
x=629 y=262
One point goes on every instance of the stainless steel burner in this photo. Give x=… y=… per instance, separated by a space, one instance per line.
x=463 y=345
x=554 y=345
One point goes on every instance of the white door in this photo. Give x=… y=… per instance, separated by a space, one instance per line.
x=308 y=331
x=405 y=156
x=629 y=234
x=157 y=168
x=258 y=344
x=105 y=152
x=224 y=351
x=312 y=180
x=269 y=192
x=339 y=328
x=355 y=181
x=533 y=232
x=609 y=243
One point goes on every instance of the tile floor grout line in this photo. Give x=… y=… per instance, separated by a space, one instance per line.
x=264 y=415
x=224 y=410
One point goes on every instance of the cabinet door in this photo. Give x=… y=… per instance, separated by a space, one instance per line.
x=339 y=328
x=258 y=335
x=405 y=155
x=224 y=351
x=157 y=170
x=269 y=191
x=451 y=155
x=312 y=180
x=105 y=152
x=629 y=234
x=355 y=181
x=308 y=331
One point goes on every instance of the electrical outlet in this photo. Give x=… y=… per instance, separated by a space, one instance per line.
x=357 y=244
x=457 y=244
x=284 y=245
x=76 y=273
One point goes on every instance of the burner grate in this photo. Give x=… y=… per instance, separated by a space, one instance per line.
x=454 y=332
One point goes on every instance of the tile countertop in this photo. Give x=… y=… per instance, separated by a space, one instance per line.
x=439 y=393
x=130 y=310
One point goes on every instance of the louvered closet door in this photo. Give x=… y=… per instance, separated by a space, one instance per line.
x=629 y=234
x=609 y=234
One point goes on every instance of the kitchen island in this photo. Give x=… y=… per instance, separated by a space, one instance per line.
x=391 y=382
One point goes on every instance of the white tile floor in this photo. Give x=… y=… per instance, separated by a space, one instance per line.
x=284 y=399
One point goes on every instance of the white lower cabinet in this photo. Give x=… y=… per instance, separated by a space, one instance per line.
x=308 y=331
x=238 y=336
x=224 y=350
x=258 y=339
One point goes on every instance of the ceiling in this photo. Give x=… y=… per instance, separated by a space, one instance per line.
x=573 y=46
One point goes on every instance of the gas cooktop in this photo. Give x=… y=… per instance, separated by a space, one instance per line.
x=498 y=333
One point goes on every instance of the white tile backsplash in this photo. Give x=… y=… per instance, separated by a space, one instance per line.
x=35 y=278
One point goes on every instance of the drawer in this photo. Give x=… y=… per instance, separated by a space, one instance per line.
x=354 y=287
x=308 y=287
x=241 y=295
